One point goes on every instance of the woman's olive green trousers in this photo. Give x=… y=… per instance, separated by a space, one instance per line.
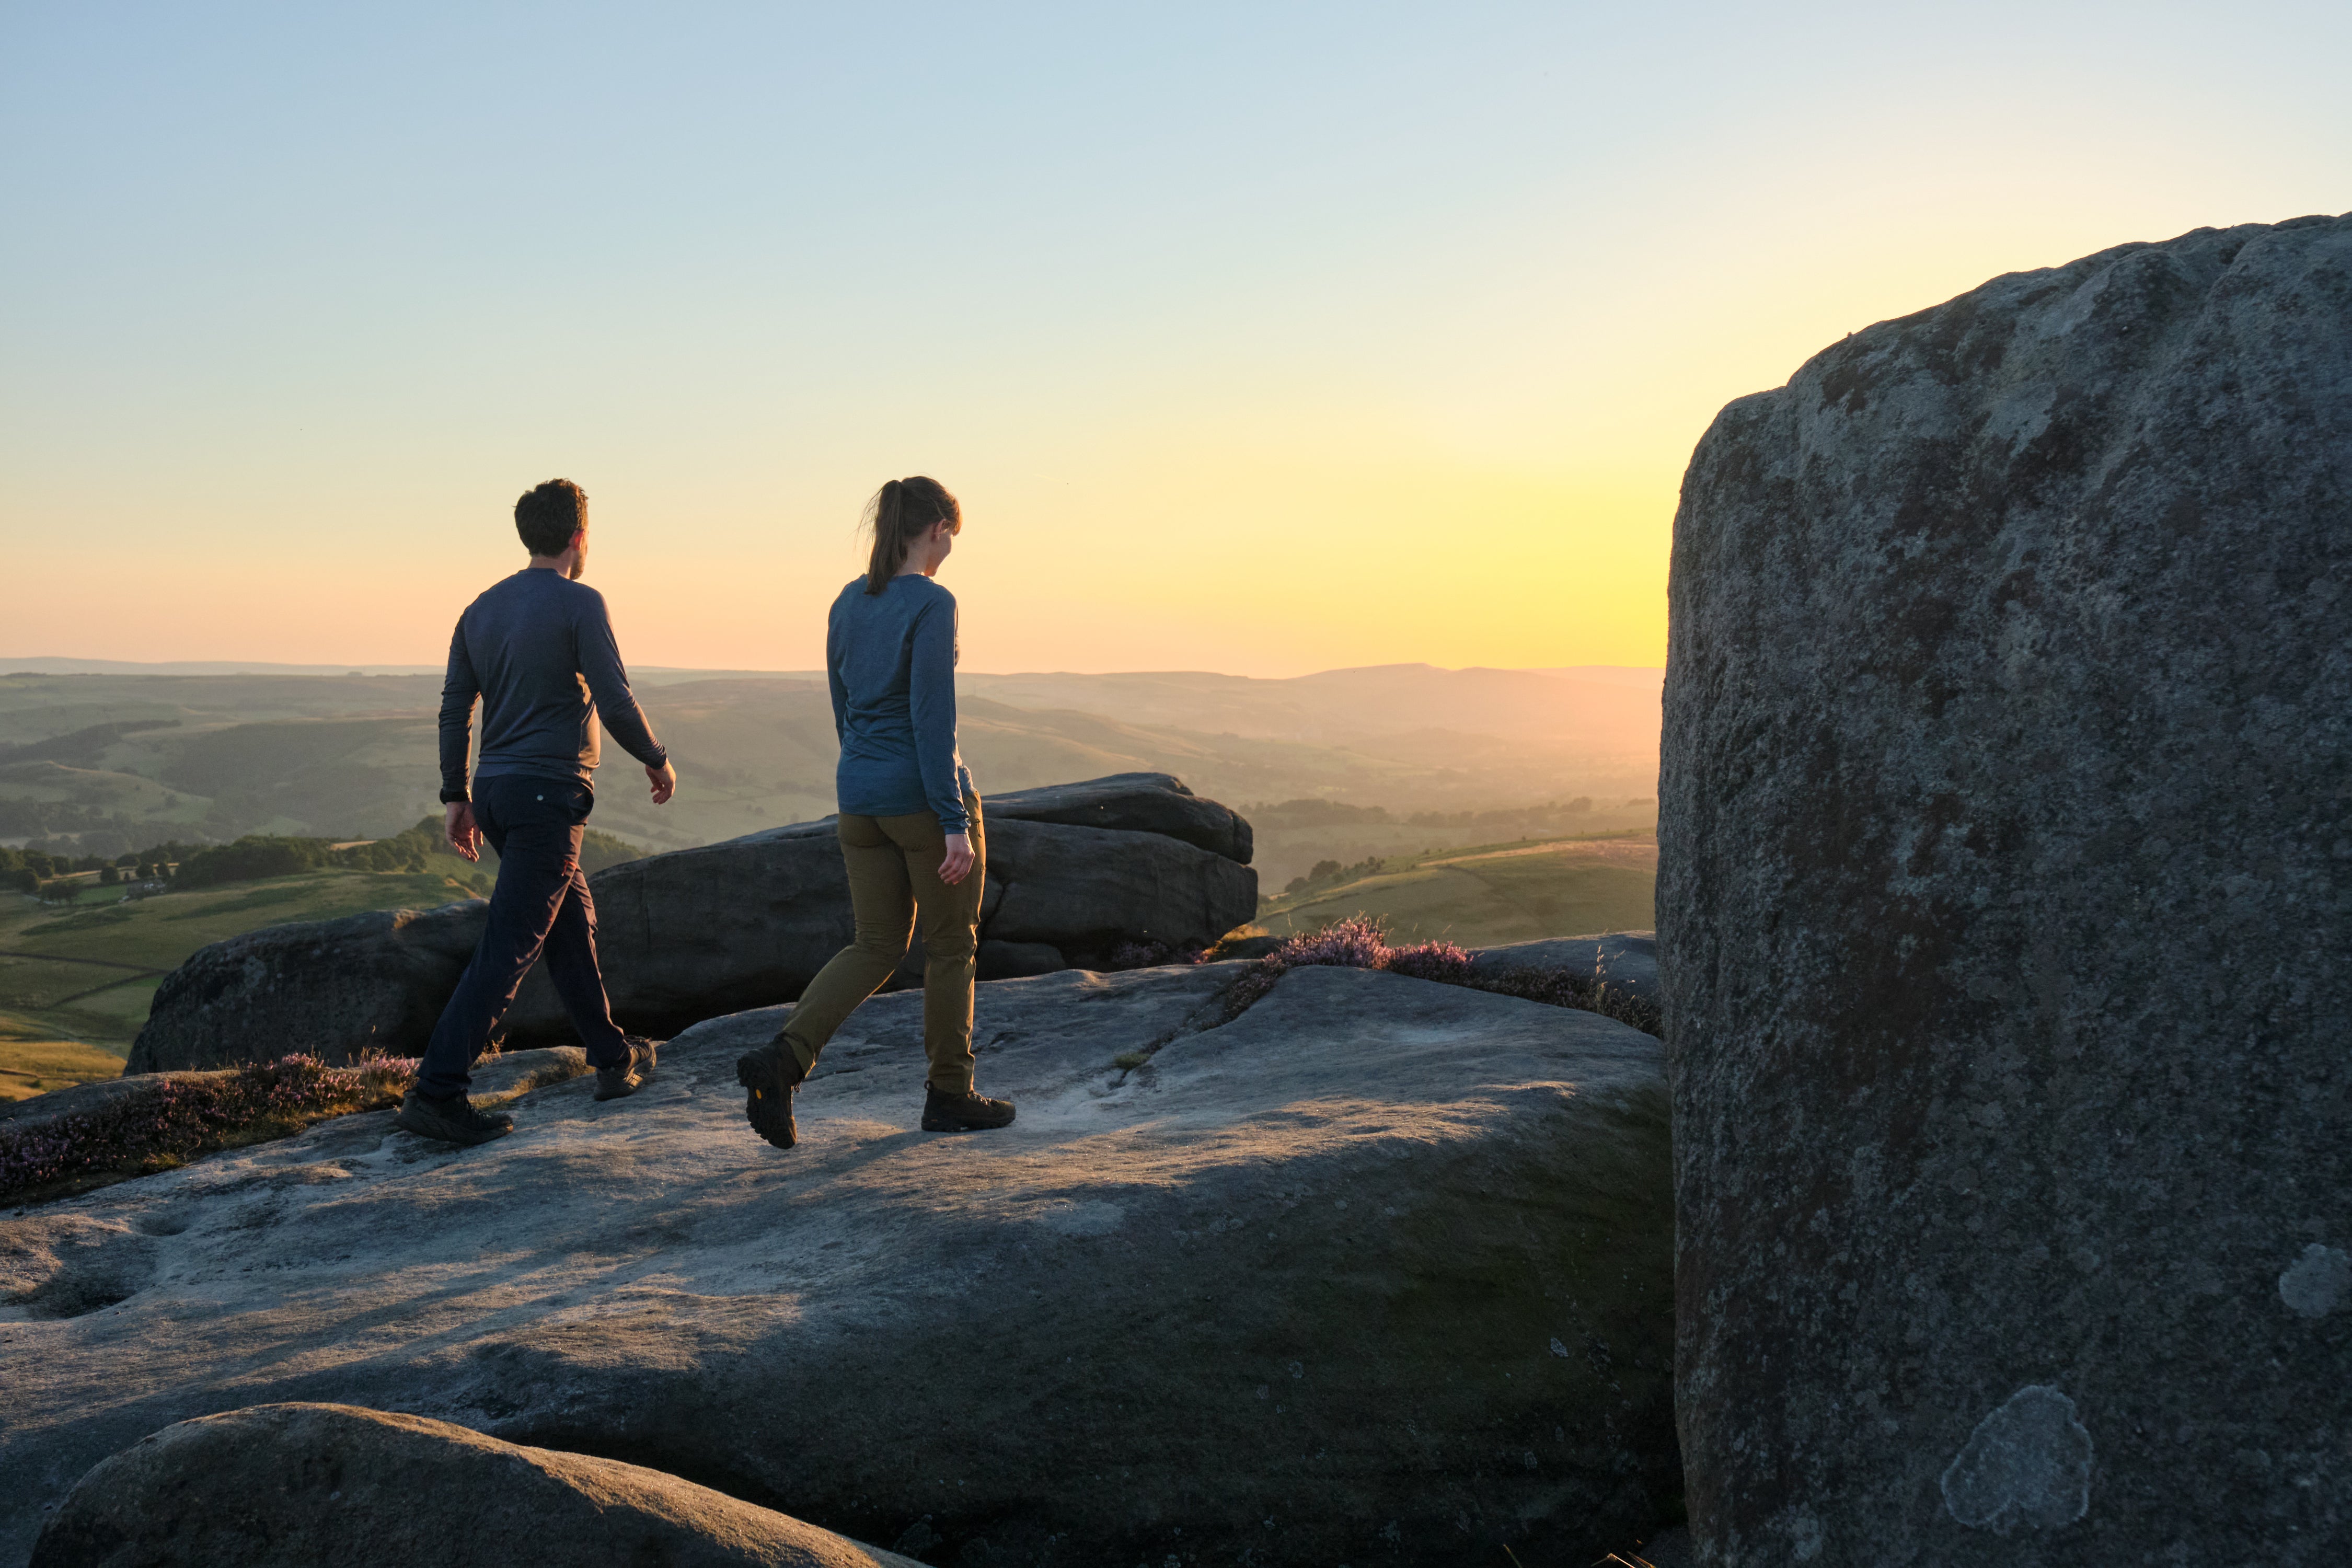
x=894 y=887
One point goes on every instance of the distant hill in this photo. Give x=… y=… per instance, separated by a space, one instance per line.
x=141 y=756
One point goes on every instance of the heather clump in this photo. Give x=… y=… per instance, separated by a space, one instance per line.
x=179 y=1119
x=1361 y=941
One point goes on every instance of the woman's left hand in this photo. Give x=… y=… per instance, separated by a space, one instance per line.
x=957 y=863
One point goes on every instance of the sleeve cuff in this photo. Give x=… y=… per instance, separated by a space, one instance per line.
x=455 y=797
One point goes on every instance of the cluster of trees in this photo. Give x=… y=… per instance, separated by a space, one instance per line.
x=1331 y=871
x=1522 y=818
x=1339 y=813
x=418 y=848
x=1314 y=813
x=28 y=870
x=259 y=855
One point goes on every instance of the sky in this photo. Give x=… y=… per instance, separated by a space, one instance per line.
x=1262 y=338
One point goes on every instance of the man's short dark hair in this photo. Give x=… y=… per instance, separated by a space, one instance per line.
x=548 y=516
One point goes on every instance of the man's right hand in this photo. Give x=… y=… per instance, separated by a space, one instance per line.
x=458 y=827
x=665 y=782
x=956 y=864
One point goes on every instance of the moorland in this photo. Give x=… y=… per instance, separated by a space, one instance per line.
x=1480 y=805
x=117 y=761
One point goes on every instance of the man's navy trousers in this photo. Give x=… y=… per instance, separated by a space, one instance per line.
x=541 y=904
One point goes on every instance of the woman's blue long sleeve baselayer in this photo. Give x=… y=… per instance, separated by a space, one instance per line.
x=891 y=657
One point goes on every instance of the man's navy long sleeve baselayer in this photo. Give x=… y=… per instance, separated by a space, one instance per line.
x=537 y=648
x=891 y=659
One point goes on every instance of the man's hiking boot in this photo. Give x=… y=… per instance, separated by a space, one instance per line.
x=623 y=1078
x=452 y=1120
x=773 y=1075
x=963 y=1112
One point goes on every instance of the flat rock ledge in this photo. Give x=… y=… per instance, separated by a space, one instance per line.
x=1377 y=1271
x=296 y=1486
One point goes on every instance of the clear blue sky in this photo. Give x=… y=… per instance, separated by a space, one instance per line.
x=1259 y=337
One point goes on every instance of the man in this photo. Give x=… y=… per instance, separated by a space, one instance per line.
x=537 y=649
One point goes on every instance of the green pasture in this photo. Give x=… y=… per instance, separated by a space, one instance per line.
x=30 y=1067
x=1513 y=892
x=87 y=972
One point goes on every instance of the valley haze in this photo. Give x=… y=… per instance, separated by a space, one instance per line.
x=95 y=750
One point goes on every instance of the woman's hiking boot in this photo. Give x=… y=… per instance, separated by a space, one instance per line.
x=452 y=1120
x=965 y=1112
x=773 y=1076
x=625 y=1078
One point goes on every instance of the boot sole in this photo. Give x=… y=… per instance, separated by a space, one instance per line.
x=759 y=1093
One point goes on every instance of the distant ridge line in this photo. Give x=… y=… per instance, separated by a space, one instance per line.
x=52 y=665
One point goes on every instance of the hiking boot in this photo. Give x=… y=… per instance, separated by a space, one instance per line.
x=623 y=1078
x=452 y=1120
x=773 y=1075
x=963 y=1112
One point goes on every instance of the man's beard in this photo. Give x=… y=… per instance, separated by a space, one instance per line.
x=579 y=563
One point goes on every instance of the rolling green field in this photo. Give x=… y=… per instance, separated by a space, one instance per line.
x=28 y=1068
x=83 y=977
x=1507 y=892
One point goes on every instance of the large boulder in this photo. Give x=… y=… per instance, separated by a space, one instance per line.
x=338 y=989
x=1377 y=1271
x=296 y=1486
x=1133 y=802
x=1123 y=803
x=699 y=932
x=2005 y=921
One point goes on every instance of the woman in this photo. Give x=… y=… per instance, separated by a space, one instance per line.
x=910 y=829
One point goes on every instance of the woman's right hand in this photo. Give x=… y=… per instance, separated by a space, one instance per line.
x=957 y=863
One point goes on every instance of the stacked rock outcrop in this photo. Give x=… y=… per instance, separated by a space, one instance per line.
x=2005 y=925
x=1073 y=871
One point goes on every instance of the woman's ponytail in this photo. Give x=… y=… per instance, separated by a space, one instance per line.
x=902 y=511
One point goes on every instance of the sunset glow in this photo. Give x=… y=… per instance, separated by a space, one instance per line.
x=1256 y=342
